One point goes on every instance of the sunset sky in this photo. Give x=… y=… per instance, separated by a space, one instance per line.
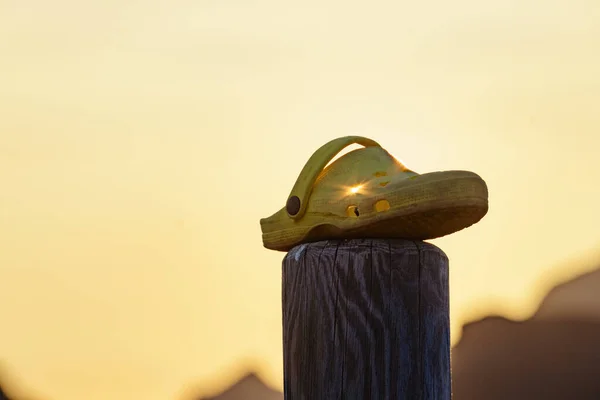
x=142 y=141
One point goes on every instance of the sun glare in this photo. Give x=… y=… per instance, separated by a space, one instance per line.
x=355 y=189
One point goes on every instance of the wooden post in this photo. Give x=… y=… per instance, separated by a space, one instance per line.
x=366 y=319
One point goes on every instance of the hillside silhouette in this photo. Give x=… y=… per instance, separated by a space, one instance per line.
x=3 y=395
x=250 y=387
x=575 y=299
x=553 y=355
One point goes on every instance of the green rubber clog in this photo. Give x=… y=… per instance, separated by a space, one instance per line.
x=367 y=193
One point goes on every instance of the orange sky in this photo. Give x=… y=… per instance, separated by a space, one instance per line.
x=141 y=142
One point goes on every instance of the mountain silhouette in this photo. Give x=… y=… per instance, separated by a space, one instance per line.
x=3 y=395
x=250 y=387
x=554 y=355
x=575 y=299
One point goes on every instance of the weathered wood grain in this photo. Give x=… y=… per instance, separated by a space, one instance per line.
x=366 y=319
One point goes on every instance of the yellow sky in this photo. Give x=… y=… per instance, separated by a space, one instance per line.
x=142 y=141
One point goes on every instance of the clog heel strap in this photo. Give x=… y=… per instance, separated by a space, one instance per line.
x=298 y=198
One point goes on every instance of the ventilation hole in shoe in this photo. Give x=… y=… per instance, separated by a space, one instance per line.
x=382 y=184
x=382 y=205
x=352 y=211
x=380 y=173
